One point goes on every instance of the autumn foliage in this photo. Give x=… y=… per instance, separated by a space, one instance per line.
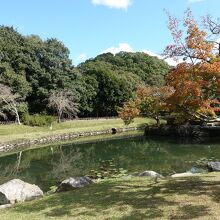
x=196 y=81
x=192 y=88
x=129 y=111
x=149 y=101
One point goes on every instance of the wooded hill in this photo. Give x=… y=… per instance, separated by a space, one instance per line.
x=33 y=67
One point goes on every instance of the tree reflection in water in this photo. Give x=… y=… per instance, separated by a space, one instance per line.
x=48 y=165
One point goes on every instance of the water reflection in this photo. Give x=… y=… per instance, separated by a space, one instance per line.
x=46 y=166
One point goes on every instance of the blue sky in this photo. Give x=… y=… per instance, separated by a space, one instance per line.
x=89 y=27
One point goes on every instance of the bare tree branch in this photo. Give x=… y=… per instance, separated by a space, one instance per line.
x=63 y=103
x=9 y=101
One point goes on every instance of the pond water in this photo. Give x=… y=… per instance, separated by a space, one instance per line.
x=46 y=166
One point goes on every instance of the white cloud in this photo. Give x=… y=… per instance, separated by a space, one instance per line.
x=79 y=58
x=151 y=53
x=119 y=4
x=127 y=48
x=121 y=47
x=194 y=1
x=82 y=56
x=170 y=61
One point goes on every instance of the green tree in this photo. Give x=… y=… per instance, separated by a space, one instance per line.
x=110 y=81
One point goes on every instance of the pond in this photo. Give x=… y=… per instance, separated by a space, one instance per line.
x=49 y=165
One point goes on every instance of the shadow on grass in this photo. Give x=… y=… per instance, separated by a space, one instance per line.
x=191 y=211
x=193 y=186
x=130 y=199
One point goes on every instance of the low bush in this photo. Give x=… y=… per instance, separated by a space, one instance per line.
x=38 y=120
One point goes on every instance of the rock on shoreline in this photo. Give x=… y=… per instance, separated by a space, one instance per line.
x=213 y=166
x=73 y=183
x=17 y=190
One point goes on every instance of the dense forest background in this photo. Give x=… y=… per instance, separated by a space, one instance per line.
x=33 y=67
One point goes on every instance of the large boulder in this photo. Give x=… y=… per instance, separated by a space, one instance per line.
x=213 y=166
x=73 y=183
x=150 y=173
x=18 y=191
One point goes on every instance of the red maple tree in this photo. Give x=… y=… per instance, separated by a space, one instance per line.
x=196 y=80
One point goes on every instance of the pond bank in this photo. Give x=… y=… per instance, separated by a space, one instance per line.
x=183 y=131
x=62 y=138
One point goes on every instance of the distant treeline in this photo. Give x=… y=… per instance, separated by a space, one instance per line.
x=33 y=67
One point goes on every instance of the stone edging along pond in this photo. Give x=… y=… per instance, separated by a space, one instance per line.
x=6 y=147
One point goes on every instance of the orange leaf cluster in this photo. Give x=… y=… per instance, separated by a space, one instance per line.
x=129 y=111
x=149 y=101
x=192 y=88
x=196 y=83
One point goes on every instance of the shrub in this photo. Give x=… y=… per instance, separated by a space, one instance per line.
x=38 y=120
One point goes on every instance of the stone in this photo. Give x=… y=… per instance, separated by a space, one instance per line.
x=213 y=166
x=5 y=206
x=17 y=190
x=73 y=183
x=186 y=174
x=196 y=170
x=127 y=177
x=150 y=173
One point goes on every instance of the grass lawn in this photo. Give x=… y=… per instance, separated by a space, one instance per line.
x=22 y=132
x=135 y=198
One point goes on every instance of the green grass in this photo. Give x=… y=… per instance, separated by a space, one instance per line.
x=135 y=198
x=9 y=133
